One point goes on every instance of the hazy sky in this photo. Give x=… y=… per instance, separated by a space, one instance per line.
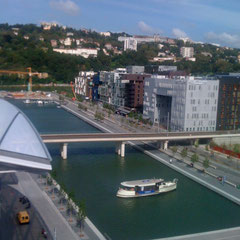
x=214 y=21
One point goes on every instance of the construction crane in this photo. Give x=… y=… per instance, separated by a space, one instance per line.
x=74 y=98
x=29 y=73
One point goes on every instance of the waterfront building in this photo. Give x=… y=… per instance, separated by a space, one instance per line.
x=95 y=86
x=228 y=117
x=187 y=52
x=134 y=90
x=181 y=104
x=83 y=84
x=112 y=88
x=135 y=69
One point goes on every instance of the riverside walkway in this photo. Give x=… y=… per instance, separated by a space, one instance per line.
x=208 y=180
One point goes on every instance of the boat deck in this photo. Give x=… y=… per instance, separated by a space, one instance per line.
x=144 y=182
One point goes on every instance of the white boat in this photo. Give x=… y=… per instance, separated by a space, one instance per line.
x=27 y=101
x=146 y=187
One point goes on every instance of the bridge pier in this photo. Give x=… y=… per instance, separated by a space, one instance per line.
x=63 y=149
x=165 y=146
x=120 y=149
x=162 y=145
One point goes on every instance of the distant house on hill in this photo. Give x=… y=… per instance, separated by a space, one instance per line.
x=84 y=52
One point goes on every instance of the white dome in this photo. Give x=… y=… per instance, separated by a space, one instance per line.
x=20 y=144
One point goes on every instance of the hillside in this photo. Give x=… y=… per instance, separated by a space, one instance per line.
x=22 y=46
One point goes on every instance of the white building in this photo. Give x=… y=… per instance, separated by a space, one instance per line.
x=182 y=104
x=185 y=39
x=187 y=52
x=68 y=42
x=106 y=34
x=48 y=25
x=83 y=83
x=84 y=52
x=130 y=43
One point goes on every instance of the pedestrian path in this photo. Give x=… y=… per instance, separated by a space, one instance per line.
x=47 y=210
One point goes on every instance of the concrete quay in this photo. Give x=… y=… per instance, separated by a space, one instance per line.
x=50 y=214
x=206 y=180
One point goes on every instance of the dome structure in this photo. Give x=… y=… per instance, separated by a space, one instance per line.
x=21 y=147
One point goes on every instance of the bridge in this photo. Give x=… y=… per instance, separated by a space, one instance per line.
x=162 y=138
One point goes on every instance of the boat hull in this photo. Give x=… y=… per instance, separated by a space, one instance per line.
x=132 y=194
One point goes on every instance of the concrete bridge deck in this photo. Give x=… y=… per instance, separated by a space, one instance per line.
x=105 y=137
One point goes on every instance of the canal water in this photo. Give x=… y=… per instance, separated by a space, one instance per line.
x=93 y=171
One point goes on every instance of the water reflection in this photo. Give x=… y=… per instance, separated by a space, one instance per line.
x=64 y=165
x=121 y=163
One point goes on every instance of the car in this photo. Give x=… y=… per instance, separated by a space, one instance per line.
x=220 y=178
x=23 y=217
x=24 y=200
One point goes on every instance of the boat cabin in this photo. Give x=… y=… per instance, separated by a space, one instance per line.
x=142 y=186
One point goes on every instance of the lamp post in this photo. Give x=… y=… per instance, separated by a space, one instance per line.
x=167 y=122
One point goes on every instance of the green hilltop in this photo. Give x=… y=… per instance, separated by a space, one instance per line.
x=31 y=47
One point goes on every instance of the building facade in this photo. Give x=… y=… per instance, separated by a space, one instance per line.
x=112 y=88
x=187 y=52
x=84 y=52
x=134 y=90
x=156 y=69
x=83 y=84
x=181 y=104
x=228 y=117
x=130 y=43
x=135 y=69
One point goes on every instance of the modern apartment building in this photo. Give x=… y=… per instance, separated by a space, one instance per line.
x=112 y=88
x=83 y=84
x=181 y=104
x=228 y=117
x=187 y=52
x=134 y=90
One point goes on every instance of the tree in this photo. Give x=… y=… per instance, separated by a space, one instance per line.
x=196 y=143
x=194 y=158
x=99 y=116
x=184 y=152
x=81 y=214
x=174 y=150
x=207 y=147
x=206 y=163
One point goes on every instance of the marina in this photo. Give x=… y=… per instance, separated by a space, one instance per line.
x=190 y=209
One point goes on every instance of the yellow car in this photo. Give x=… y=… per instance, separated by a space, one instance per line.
x=23 y=217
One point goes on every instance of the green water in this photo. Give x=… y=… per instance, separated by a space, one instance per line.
x=93 y=171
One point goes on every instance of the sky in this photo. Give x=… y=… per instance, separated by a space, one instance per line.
x=214 y=21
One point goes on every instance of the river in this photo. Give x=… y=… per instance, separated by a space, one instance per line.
x=93 y=172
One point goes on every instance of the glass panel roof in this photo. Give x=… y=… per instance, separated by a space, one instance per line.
x=7 y=113
x=19 y=139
